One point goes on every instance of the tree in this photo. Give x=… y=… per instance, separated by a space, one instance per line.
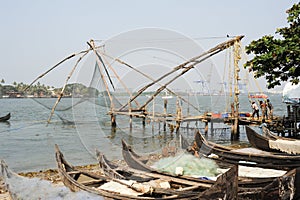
x=278 y=58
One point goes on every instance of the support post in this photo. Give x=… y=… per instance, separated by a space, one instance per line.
x=178 y=116
x=153 y=115
x=165 y=113
x=144 y=118
x=188 y=112
x=289 y=118
x=235 y=127
x=130 y=116
x=212 y=126
x=295 y=120
x=206 y=127
x=113 y=121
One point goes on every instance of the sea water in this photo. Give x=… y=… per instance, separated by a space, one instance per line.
x=27 y=140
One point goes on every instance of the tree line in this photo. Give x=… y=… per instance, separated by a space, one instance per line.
x=42 y=90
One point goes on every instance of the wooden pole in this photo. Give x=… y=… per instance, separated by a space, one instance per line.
x=150 y=78
x=56 y=65
x=178 y=116
x=113 y=120
x=212 y=126
x=153 y=115
x=165 y=112
x=194 y=60
x=64 y=87
x=130 y=116
x=295 y=119
x=237 y=57
x=188 y=111
x=206 y=127
x=289 y=117
x=185 y=70
x=119 y=79
x=92 y=45
x=99 y=60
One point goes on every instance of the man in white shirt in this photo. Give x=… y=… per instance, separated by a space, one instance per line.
x=255 y=110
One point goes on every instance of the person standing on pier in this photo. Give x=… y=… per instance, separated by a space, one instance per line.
x=264 y=111
x=255 y=110
x=270 y=107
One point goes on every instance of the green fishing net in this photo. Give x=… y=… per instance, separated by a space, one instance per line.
x=192 y=166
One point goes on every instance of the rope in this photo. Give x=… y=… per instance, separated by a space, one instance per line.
x=56 y=65
x=152 y=79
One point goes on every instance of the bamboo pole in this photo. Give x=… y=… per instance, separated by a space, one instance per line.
x=92 y=45
x=56 y=65
x=206 y=127
x=119 y=79
x=99 y=60
x=237 y=57
x=64 y=87
x=130 y=117
x=178 y=115
x=188 y=111
x=186 y=69
x=150 y=78
x=113 y=120
x=165 y=112
x=194 y=60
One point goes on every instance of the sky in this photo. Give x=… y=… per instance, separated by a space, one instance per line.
x=36 y=34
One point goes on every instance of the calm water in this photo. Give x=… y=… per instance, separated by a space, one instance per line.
x=27 y=142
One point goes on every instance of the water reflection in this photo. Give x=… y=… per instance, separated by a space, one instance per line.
x=7 y=123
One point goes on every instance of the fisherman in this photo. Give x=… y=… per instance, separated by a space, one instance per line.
x=263 y=124
x=255 y=110
x=270 y=108
x=264 y=111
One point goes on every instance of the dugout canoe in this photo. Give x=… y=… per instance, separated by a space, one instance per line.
x=124 y=172
x=272 y=143
x=244 y=157
x=248 y=188
x=224 y=187
x=267 y=133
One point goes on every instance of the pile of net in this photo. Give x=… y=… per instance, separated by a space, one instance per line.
x=186 y=164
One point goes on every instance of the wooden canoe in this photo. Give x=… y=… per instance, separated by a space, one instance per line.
x=248 y=188
x=267 y=133
x=268 y=160
x=124 y=172
x=257 y=140
x=5 y=118
x=270 y=142
x=225 y=187
x=70 y=176
x=256 y=159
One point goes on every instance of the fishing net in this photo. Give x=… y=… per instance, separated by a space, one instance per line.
x=192 y=166
x=101 y=95
x=78 y=95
